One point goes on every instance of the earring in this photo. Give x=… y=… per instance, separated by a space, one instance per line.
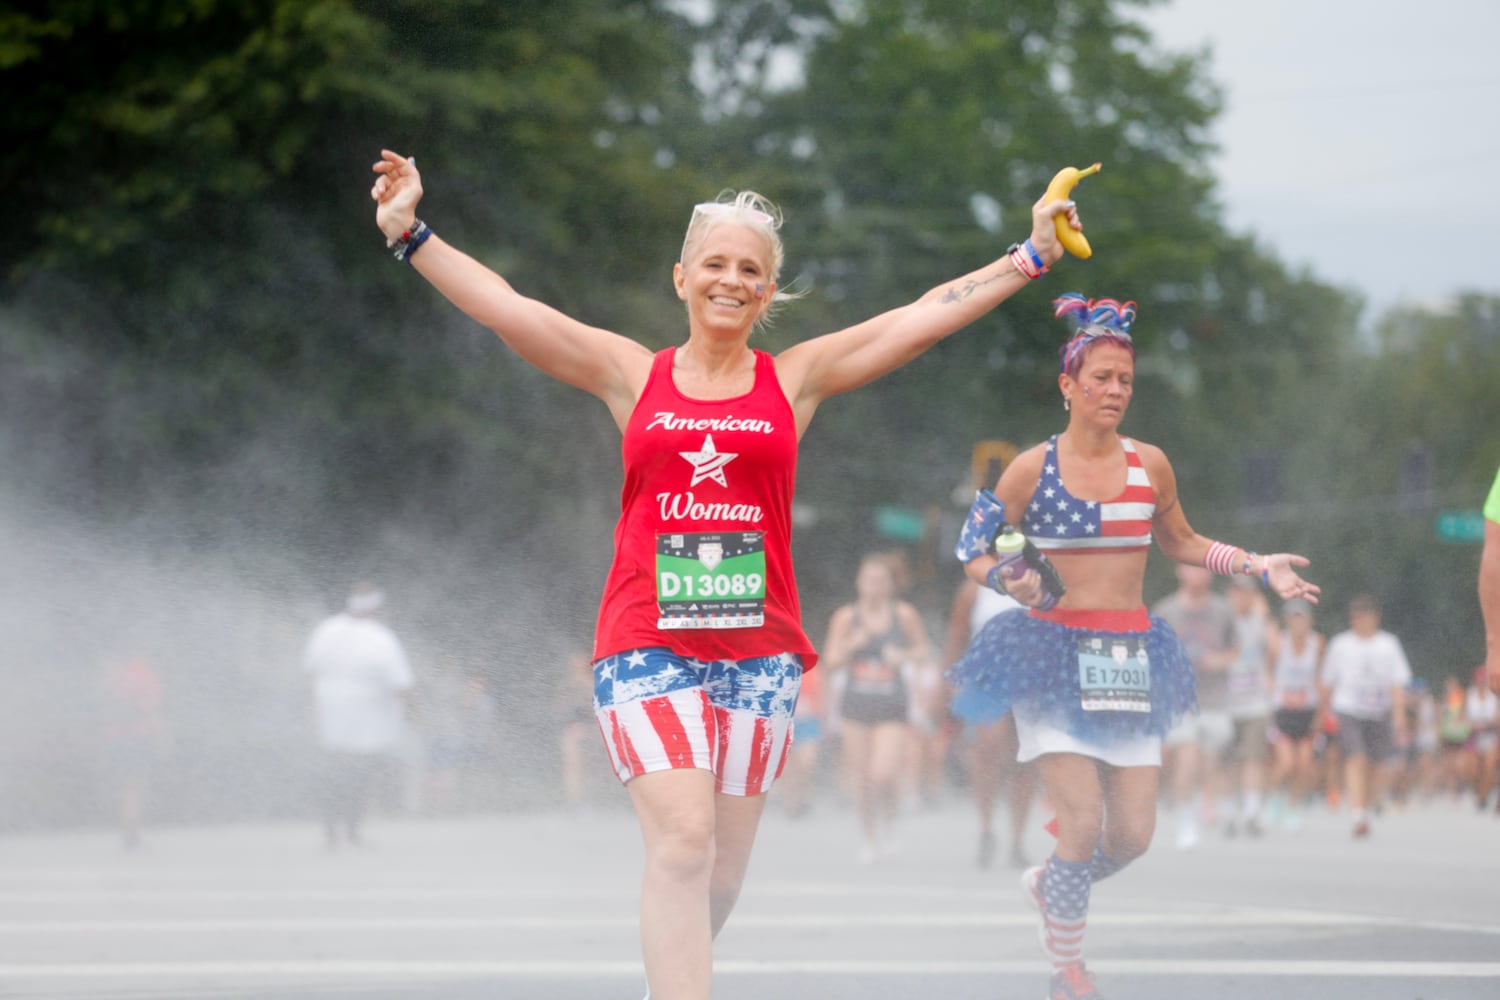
x=1067 y=403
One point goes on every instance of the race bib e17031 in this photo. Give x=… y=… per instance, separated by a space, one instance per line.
x=1114 y=674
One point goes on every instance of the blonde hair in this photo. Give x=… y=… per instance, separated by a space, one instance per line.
x=743 y=208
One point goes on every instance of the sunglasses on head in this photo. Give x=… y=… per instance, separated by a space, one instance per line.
x=728 y=208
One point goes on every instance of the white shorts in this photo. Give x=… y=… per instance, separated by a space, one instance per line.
x=1037 y=738
x=659 y=711
x=1212 y=731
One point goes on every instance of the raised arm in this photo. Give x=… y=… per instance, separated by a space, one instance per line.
x=597 y=361
x=825 y=366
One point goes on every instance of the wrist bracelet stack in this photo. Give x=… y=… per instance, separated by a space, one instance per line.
x=1024 y=258
x=411 y=240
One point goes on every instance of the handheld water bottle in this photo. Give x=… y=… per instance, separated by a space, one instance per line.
x=1017 y=555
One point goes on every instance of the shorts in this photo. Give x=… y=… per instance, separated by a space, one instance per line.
x=1295 y=724
x=1212 y=731
x=1248 y=739
x=872 y=709
x=660 y=711
x=1360 y=737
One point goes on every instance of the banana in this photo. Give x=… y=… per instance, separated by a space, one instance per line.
x=1062 y=185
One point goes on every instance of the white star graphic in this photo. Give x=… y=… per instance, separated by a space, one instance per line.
x=708 y=462
x=1093 y=504
x=1062 y=505
x=1077 y=517
x=1062 y=529
x=1089 y=528
x=1035 y=505
x=636 y=658
x=1051 y=469
x=1048 y=492
x=1047 y=518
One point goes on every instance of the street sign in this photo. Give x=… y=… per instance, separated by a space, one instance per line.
x=1461 y=526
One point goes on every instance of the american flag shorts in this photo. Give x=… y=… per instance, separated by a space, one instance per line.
x=658 y=710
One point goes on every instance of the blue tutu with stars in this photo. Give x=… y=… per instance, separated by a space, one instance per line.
x=1030 y=658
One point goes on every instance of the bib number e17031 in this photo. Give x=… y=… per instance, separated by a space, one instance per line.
x=711 y=579
x=1114 y=674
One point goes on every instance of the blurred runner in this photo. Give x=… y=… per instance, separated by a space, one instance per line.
x=1365 y=674
x=992 y=747
x=1249 y=708
x=873 y=642
x=1297 y=653
x=360 y=677
x=1194 y=749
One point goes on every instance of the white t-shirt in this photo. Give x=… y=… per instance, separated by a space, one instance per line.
x=359 y=671
x=1363 y=672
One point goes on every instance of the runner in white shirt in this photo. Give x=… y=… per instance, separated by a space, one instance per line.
x=359 y=676
x=1365 y=674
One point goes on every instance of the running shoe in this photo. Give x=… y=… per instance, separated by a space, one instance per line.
x=1073 y=982
x=1031 y=889
x=1362 y=829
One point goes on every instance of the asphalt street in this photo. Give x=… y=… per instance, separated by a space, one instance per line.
x=542 y=907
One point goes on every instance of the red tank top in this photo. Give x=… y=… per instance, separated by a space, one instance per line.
x=703 y=550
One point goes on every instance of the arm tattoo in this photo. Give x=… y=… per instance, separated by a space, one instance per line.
x=966 y=290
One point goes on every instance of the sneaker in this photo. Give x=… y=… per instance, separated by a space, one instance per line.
x=1031 y=889
x=1187 y=835
x=1253 y=829
x=1073 y=982
x=1362 y=829
x=1292 y=821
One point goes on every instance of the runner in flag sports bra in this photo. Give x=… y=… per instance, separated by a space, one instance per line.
x=1095 y=682
x=699 y=648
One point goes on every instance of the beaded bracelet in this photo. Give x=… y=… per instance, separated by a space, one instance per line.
x=411 y=240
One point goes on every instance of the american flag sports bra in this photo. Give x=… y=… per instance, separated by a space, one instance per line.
x=1057 y=521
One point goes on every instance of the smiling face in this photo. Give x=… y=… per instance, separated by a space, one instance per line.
x=1100 y=392
x=726 y=281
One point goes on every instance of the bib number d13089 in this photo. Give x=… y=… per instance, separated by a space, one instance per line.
x=711 y=579
x=1114 y=675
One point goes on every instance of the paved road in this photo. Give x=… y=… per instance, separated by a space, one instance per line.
x=541 y=907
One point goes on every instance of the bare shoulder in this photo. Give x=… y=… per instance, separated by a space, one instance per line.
x=1150 y=453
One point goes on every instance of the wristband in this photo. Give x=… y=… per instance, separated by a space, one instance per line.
x=1220 y=559
x=995 y=579
x=1025 y=259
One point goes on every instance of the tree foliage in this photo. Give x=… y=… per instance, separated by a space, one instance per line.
x=201 y=326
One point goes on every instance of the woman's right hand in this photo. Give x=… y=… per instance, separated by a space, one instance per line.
x=396 y=193
x=1027 y=588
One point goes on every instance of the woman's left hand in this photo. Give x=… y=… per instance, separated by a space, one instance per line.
x=1281 y=576
x=1044 y=228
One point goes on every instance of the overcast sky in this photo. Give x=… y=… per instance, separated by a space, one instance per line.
x=1359 y=137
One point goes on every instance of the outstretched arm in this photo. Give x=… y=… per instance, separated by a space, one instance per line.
x=825 y=366
x=599 y=362
x=1182 y=544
